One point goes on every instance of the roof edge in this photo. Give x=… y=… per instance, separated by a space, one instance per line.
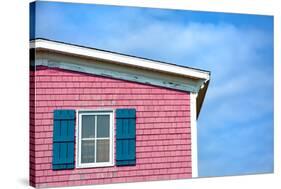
x=123 y=59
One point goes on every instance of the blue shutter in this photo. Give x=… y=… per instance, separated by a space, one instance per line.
x=63 y=139
x=125 y=137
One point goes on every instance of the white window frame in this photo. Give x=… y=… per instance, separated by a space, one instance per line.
x=79 y=138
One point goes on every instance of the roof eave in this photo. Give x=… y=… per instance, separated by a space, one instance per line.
x=120 y=58
x=201 y=96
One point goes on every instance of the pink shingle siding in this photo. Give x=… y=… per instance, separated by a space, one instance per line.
x=163 y=139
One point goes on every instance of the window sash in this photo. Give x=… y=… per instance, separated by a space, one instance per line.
x=80 y=139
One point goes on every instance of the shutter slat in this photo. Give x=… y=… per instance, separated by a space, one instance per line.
x=125 y=137
x=63 y=139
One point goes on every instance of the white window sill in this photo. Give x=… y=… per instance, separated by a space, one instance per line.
x=94 y=165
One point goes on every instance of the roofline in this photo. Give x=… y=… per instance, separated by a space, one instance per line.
x=123 y=59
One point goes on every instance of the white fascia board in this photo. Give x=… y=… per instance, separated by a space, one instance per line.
x=193 y=125
x=119 y=58
x=191 y=86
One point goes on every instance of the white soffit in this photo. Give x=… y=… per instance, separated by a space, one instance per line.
x=120 y=58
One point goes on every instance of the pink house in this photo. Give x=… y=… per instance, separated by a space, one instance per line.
x=101 y=117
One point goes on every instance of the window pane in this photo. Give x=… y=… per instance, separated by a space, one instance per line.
x=103 y=126
x=88 y=126
x=103 y=150
x=88 y=151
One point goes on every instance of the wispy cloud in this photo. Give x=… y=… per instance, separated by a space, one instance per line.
x=235 y=125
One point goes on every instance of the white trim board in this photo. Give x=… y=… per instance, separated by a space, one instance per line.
x=119 y=58
x=193 y=125
x=188 y=85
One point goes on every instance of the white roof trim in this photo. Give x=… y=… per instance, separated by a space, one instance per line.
x=121 y=59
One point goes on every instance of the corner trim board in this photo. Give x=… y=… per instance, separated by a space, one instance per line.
x=193 y=125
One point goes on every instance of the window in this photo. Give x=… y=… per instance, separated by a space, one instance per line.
x=95 y=139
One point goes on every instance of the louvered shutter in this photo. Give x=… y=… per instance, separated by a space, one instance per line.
x=63 y=139
x=125 y=137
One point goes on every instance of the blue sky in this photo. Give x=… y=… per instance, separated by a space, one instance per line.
x=235 y=127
